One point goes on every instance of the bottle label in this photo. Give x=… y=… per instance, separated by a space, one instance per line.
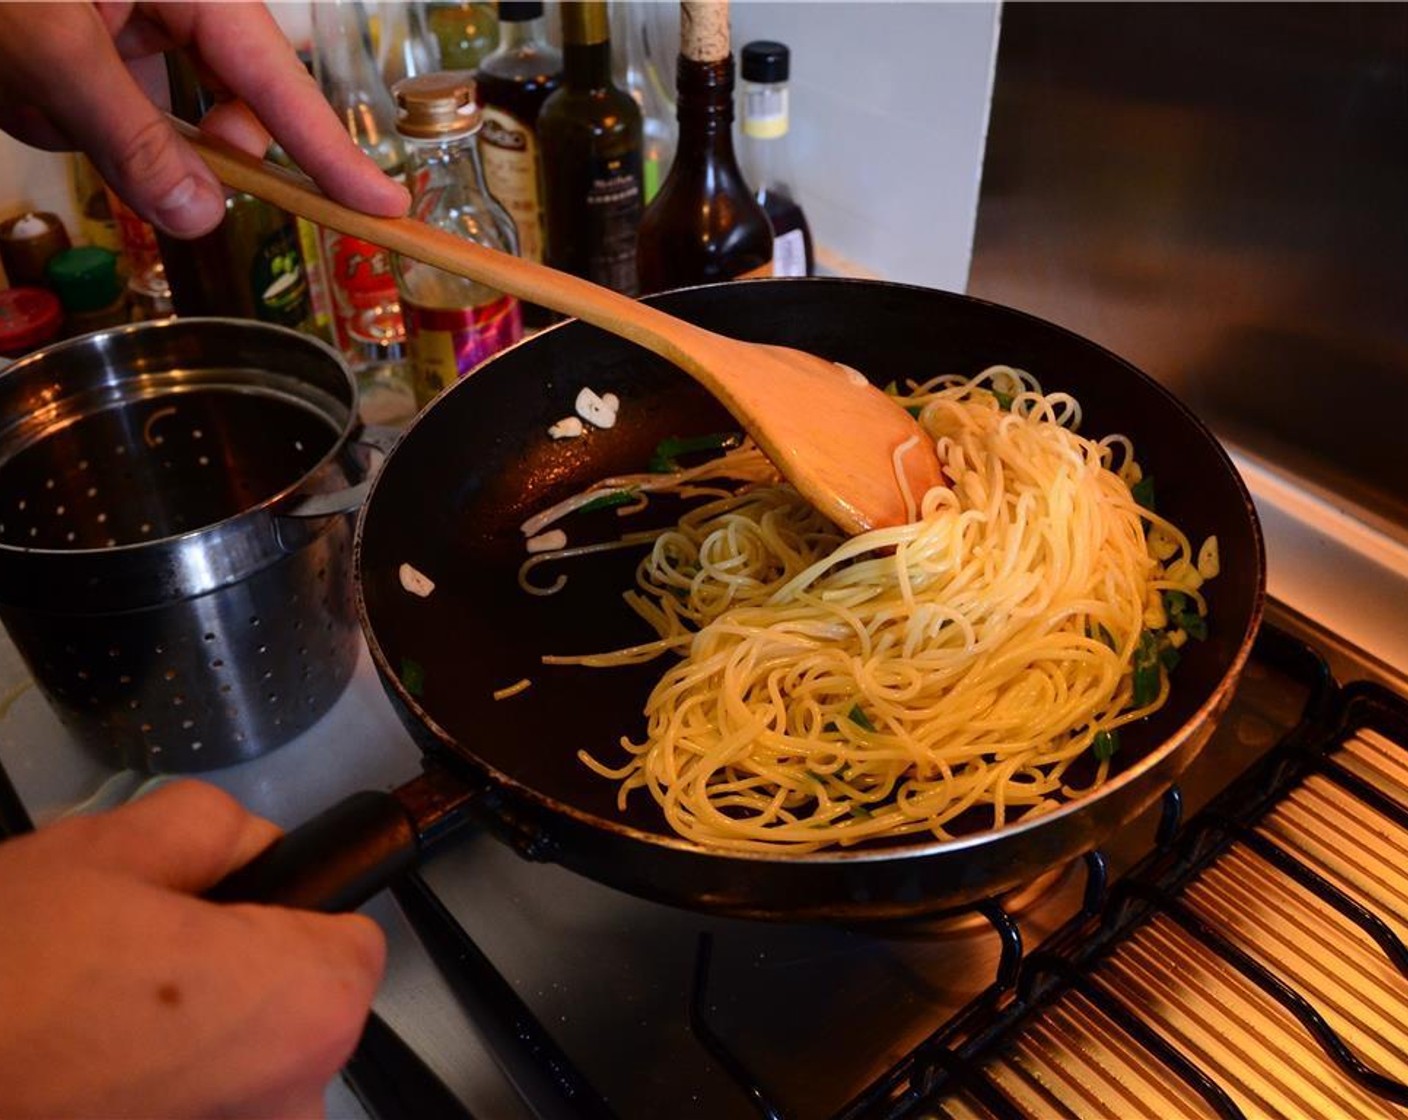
x=511 y=159
x=789 y=254
x=277 y=280
x=363 y=288
x=613 y=206
x=446 y=343
x=765 y=112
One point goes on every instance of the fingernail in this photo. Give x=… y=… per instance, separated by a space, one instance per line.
x=189 y=209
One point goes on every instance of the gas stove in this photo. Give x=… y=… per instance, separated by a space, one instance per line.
x=1235 y=951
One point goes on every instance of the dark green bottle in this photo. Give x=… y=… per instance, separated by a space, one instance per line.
x=591 y=137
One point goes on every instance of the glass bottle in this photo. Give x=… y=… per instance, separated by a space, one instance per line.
x=637 y=73
x=250 y=266
x=705 y=224
x=406 y=46
x=513 y=82
x=367 y=322
x=467 y=32
x=591 y=136
x=453 y=323
x=764 y=156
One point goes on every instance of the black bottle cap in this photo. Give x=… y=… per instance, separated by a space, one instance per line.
x=520 y=11
x=765 y=61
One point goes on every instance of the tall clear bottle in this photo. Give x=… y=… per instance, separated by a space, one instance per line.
x=764 y=154
x=636 y=72
x=514 y=82
x=367 y=322
x=705 y=224
x=406 y=46
x=453 y=323
x=590 y=131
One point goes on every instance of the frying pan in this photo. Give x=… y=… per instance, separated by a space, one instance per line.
x=449 y=501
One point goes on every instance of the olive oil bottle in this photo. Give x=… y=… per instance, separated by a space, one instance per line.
x=591 y=137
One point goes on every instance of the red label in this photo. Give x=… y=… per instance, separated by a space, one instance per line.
x=363 y=287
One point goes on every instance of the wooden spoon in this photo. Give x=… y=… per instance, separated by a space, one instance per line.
x=831 y=433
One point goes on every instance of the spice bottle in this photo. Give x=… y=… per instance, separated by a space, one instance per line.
x=765 y=157
x=27 y=241
x=705 y=224
x=89 y=288
x=591 y=135
x=29 y=318
x=452 y=323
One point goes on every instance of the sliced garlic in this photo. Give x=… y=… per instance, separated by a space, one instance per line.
x=550 y=541
x=569 y=427
x=1209 y=560
x=599 y=411
x=417 y=583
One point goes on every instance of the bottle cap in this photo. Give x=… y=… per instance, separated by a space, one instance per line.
x=29 y=317
x=584 y=24
x=520 y=11
x=765 y=61
x=27 y=241
x=436 y=106
x=84 y=279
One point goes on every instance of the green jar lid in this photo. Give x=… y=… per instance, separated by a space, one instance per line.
x=85 y=278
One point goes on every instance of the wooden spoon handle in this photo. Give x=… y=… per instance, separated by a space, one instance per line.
x=673 y=339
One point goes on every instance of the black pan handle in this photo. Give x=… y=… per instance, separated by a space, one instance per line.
x=342 y=857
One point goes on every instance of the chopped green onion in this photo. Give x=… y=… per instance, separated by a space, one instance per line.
x=1169 y=657
x=1146 y=670
x=413 y=676
x=893 y=388
x=1004 y=400
x=1143 y=493
x=1193 y=624
x=1183 y=615
x=861 y=811
x=857 y=716
x=610 y=500
x=1105 y=744
x=914 y=410
x=1101 y=633
x=668 y=450
x=1175 y=602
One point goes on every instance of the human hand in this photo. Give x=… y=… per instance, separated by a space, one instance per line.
x=126 y=995
x=91 y=76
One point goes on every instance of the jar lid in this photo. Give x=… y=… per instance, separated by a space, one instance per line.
x=519 y=11
x=29 y=317
x=436 y=106
x=765 y=61
x=85 y=278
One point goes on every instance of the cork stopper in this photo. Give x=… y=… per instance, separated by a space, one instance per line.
x=435 y=106
x=704 y=30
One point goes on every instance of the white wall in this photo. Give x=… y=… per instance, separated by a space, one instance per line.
x=889 y=109
x=889 y=113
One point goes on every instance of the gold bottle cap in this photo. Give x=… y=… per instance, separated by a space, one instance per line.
x=432 y=106
x=584 y=22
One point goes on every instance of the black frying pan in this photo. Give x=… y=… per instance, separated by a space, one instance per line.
x=450 y=498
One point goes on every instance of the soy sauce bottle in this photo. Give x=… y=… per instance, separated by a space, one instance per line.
x=763 y=153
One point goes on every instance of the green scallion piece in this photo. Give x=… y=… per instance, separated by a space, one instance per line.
x=1105 y=744
x=1146 y=670
x=857 y=716
x=610 y=500
x=668 y=450
x=413 y=676
x=1143 y=493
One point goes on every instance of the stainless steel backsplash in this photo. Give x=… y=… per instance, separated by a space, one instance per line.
x=1219 y=193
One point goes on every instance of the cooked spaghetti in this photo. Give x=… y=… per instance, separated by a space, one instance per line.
x=942 y=675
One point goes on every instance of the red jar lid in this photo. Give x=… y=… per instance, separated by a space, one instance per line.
x=29 y=317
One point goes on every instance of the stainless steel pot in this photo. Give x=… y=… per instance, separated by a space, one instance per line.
x=174 y=542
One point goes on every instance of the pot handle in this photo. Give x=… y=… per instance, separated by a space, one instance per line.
x=342 y=857
x=377 y=438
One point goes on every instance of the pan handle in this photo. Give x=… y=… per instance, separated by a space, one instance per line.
x=342 y=857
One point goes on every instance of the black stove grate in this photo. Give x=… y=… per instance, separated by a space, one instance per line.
x=1282 y=907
